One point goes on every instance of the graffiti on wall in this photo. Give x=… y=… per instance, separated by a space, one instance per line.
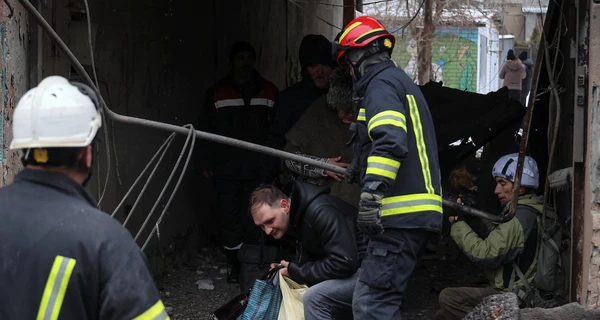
x=454 y=57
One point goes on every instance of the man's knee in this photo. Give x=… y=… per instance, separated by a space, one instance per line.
x=445 y=296
x=312 y=297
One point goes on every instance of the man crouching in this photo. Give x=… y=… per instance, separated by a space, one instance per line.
x=327 y=256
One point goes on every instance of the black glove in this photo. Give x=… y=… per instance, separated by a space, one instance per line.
x=369 y=214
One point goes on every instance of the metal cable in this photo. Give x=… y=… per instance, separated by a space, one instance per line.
x=183 y=170
x=162 y=192
x=166 y=144
x=105 y=129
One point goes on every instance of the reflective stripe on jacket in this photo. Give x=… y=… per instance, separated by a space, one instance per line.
x=396 y=131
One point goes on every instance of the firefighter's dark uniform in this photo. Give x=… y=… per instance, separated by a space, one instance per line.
x=399 y=158
x=244 y=113
x=62 y=258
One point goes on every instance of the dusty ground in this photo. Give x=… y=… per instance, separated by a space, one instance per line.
x=184 y=300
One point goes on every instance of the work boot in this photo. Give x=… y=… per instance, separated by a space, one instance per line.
x=233 y=266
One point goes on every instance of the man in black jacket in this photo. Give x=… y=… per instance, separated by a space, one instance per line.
x=61 y=257
x=327 y=243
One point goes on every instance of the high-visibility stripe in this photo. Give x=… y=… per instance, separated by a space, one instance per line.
x=262 y=102
x=411 y=203
x=420 y=142
x=382 y=167
x=229 y=103
x=350 y=28
x=390 y=117
x=362 y=116
x=357 y=40
x=156 y=312
x=56 y=287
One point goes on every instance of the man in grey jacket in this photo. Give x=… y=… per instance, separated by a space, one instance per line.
x=526 y=83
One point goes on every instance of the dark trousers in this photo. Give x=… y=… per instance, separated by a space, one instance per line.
x=391 y=259
x=456 y=303
x=514 y=94
x=236 y=225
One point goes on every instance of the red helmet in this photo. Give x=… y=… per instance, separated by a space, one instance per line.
x=359 y=33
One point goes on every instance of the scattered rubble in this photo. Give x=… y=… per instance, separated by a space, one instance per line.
x=204 y=284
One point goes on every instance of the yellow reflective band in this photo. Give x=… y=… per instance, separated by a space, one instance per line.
x=56 y=287
x=156 y=312
x=391 y=117
x=350 y=28
x=420 y=142
x=411 y=203
x=366 y=34
x=361 y=115
x=382 y=167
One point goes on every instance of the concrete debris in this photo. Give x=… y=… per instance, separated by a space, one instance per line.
x=505 y=307
x=199 y=272
x=205 y=284
x=223 y=271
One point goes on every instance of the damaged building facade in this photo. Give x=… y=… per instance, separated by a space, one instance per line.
x=155 y=60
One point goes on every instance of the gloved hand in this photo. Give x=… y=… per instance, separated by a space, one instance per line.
x=369 y=214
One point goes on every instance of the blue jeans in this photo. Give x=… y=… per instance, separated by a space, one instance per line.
x=391 y=259
x=330 y=297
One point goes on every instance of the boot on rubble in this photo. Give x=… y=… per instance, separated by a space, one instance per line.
x=233 y=266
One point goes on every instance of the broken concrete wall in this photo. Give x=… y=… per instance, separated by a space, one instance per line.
x=592 y=282
x=14 y=39
x=155 y=60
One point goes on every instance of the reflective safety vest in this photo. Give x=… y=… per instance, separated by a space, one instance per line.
x=398 y=149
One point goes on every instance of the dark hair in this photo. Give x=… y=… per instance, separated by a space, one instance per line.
x=511 y=55
x=53 y=157
x=339 y=96
x=265 y=194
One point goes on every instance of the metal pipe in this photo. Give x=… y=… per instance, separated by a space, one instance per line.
x=165 y=126
x=472 y=211
x=209 y=136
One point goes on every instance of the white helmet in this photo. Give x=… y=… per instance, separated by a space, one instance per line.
x=56 y=114
x=506 y=167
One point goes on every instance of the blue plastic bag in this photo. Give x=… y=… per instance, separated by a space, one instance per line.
x=265 y=298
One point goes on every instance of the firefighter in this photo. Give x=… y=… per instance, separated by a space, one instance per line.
x=60 y=256
x=400 y=203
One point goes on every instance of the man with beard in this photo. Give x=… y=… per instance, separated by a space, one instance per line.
x=61 y=256
x=240 y=106
x=322 y=133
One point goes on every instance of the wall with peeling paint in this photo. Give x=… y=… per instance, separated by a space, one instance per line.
x=155 y=59
x=14 y=79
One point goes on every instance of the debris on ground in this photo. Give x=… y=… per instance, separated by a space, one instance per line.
x=204 y=284
x=421 y=300
x=505 y=306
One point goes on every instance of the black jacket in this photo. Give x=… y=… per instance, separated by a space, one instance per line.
x=51 y=234
x=328 y=242
x=290 y=105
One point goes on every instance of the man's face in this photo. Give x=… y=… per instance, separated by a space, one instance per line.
x=320 y=75
x=347 y=118
x=243 y=63
x=274 y=220
x=504 y=190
